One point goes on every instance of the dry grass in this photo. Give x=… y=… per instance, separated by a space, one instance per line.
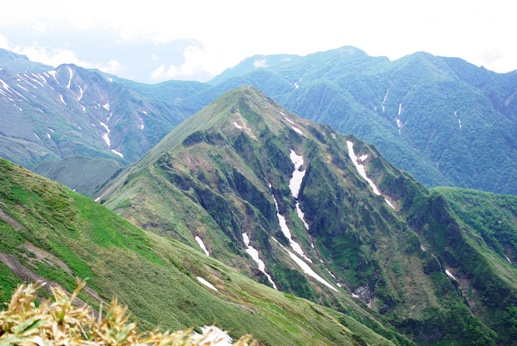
x=58 y=322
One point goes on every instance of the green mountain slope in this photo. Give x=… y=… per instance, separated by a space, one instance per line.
x=438 y=118
x=52 y=234
x=299 y=207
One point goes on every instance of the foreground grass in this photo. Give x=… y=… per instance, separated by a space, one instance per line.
x=59 y=322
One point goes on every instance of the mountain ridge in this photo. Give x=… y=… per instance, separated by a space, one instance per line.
x=305 y=210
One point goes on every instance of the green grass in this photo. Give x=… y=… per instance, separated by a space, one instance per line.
x=154 y=276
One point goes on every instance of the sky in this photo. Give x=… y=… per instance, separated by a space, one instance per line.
x=152 y=40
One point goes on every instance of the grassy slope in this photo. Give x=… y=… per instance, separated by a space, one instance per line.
x=154 y=276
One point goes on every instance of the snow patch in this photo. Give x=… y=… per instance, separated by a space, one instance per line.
x=117 y=152
x=289 y=120
x=4 y=85
x=384 y=99
x=24 y=88
x=360 y=168
x=362 y=172
x=62 y=99
x=71 y=75
x=508 y=259
x=105 y=136
x=389 y=203
x=301 y=215
x=142 y=127
x=423 y=247
x=400 y=109
x=287 y=233
x=296 y=181
x=202 y=245
x=306 y=269
x=48 y=135
x=297 y=130
x=106 y=106
x=97 y=199
x=363 y=157
x=237 y=125
x=206 y=283
x=450 y=274
x=254 y=254
x=399 y=125
x=37 y=137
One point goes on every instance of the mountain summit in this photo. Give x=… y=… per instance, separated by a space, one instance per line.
x=305 y=210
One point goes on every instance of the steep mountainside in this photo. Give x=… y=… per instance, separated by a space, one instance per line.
x=70 y=111
x=305 y=210
x=52 y=234
x=441 y=119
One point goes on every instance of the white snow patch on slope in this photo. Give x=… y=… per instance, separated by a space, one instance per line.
x=237 y=125
x=117 y=153
x=508 y=259
x=37 y=137
x=400 y=109
x=384 y=99
x=389 y=203
x=202 y=245
x=306 y=269
x=289 y=120
x=301 y=215
x=362 y=171
x=62 y=99
x=297 y=130
x=254 y=254
x=105 y=136
x=48 y=135
x=287 y=233
x=360 y=168
x=106 y=106
x=70 y=79
x=450 y=274
x=399 y=125
x=206 y=283
x=296 y=181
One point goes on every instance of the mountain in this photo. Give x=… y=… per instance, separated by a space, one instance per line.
x=441 y=119
x=53 y=234
x=305 y=210
x=74 y=112
x=16 y=63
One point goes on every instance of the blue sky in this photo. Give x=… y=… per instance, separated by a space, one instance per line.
x=151 y=41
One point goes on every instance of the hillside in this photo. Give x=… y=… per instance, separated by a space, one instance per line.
x=435 y=117
x=70 y=111
x=305 y=210
x=53 y=234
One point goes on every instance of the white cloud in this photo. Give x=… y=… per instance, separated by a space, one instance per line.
x=195 y=63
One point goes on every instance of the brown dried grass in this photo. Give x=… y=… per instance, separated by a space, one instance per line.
x=58 y=322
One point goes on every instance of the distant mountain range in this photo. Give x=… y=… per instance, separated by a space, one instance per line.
x=443 y=120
